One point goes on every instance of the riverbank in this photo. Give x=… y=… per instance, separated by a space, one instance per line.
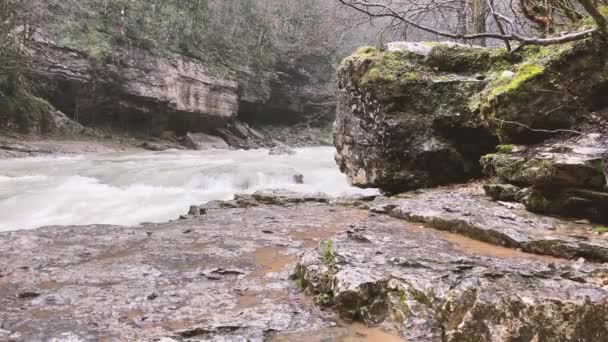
x=239 y=136
x=236 y=270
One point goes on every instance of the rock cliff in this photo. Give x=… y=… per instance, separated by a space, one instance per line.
x=135 y=92
x=301 y=89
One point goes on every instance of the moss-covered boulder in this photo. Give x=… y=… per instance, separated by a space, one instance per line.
x=421 y=114
x=403 y=118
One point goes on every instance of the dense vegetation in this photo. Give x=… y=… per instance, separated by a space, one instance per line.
x=18 y=106
x=220 y=33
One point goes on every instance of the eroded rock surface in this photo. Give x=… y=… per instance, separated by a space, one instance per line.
x=421 y=114
x=567 y=177
x=231 y=271
x=465 y=210
x=435 y=286
x=220 y=276
x=401 y=124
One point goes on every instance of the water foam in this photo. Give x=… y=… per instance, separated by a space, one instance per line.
x=127 y=189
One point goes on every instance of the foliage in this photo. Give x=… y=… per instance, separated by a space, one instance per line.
x=223 y=34
x=600 y=229
x=19 y=109
x=327 y=254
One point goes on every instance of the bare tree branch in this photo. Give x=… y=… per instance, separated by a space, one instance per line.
x=380 y=10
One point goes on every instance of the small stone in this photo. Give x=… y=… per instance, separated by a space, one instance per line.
x=507 y=74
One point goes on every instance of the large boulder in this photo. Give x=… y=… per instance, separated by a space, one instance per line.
x=421 y=114
x=403 y=121
x=135 y=91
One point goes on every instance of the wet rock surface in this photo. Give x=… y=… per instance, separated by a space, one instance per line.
x=233 y=270
x=435 y=286
x=465 y=210
x=221 y=275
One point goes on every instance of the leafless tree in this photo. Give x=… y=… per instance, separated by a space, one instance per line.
x=479 y=20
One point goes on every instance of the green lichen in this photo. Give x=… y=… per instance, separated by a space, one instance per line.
x=589 y=21
x=600 y=229
x=525 y=72
x=505 y=149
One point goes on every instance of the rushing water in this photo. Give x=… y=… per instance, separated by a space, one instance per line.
x=130 y=188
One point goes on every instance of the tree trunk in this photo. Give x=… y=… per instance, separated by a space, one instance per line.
x=479 y=19
x=462 y=18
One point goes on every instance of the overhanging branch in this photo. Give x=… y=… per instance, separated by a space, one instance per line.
x=379 y=10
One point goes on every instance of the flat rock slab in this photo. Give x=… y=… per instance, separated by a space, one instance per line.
x=230 y=271
x=221 y=276
x=438 y=286
x=465 y=210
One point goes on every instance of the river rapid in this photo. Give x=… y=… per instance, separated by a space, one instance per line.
x=131 y=188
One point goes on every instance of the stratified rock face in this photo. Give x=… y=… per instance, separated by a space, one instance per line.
x=402 y=124
x=135 y=91
x=564 y=177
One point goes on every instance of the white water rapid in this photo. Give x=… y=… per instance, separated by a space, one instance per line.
x=128 y=189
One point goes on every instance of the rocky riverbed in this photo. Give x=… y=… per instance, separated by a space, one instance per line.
x=280 y=266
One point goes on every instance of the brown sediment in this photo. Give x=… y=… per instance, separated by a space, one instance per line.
x=177 y=325
x=372 y=334
x=472 y=246
x=40 y=313
x=271 y=260
x=116 y=254
x=476 y=247
x=312 y=237
x=131 y=315
x=49 y=285
x=355 y=332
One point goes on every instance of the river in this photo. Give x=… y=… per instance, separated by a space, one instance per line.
x=131 y=188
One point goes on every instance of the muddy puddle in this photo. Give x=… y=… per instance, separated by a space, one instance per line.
x=355 y=332
x=271 y=260
x=472 y=246
x=312 y=237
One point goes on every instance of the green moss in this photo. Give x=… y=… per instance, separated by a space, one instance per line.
x=589 y=21
x=22 y=110
x=524 y=73
x=505 y=149
x=384 y=68
x=600 y=229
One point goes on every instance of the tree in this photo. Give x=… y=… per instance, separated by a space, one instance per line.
x=546 y=15
x=20 y=109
